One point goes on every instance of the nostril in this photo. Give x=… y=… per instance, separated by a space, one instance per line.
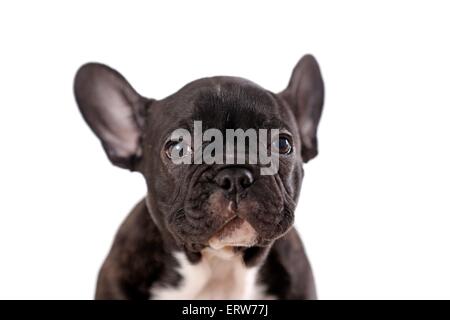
x=225 y=183
x=245 y=181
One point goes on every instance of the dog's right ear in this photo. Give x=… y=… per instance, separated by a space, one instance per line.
x=305 y=95
x=113 y=110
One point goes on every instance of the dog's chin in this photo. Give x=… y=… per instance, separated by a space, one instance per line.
x=235 y=233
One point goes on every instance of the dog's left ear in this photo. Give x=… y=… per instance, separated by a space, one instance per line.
x=113 y=110
x=305 y=95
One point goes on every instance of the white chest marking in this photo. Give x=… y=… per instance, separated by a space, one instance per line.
x=219 y=275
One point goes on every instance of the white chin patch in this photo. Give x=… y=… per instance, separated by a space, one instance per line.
x=237 y=232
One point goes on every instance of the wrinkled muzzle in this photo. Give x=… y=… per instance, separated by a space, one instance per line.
x=233 y=206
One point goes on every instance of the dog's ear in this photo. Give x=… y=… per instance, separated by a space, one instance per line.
x=113 y=110
x=305 y=94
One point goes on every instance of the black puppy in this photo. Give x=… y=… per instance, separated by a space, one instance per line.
x=206 y=231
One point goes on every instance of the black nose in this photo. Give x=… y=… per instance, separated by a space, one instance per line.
x=234 y=179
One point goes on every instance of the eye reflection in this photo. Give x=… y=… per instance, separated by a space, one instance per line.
x=282 y=145
x=178 y=150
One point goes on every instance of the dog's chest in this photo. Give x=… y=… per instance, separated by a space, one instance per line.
x=216 y=276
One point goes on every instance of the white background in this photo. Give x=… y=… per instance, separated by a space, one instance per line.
x=374 y=210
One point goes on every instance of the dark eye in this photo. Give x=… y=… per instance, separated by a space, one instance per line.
x=282 y=145
x=177 y=150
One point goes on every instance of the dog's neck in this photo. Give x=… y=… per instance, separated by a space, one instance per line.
x=219 y=274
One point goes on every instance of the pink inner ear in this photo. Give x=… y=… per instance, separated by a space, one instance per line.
x=305 y=95
x=121 y=131
x=306 y=128
x=108 y=104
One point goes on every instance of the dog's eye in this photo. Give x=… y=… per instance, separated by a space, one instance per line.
x=177 y=150
x=282 y=145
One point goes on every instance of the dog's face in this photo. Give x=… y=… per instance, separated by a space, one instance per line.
x=209 y=204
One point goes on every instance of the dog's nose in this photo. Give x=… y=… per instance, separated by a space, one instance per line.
x=234 y=179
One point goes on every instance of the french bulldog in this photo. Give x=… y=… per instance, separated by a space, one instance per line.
x=206 y=231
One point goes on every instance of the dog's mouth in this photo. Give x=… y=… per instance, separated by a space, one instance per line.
x=219 y=219
x=237 y=232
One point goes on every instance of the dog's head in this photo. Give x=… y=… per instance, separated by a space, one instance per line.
x=209 y=204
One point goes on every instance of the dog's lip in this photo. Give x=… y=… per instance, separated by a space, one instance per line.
x=228 y=221
x=224 y=225
x=231 y=211
x=237 y=232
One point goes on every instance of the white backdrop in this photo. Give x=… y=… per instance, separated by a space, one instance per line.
x=374 y=210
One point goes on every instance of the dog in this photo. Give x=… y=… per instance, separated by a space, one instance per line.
x=206 y=231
